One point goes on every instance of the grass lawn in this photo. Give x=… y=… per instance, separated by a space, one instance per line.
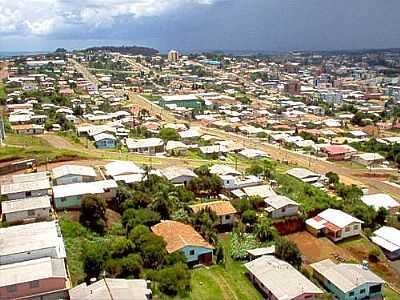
x=3 y=93
x=390 y=294
x=24 y=140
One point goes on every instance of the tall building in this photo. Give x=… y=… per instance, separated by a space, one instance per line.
x=173 y=55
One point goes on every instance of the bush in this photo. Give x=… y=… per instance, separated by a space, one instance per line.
x=249 y=217
x=373 y=255
x=174 y=280
x=289 y=252
x=93 y=213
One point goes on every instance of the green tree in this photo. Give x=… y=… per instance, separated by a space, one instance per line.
x=94 y=256
x=264 y=230
x=289 y=252
x=249 y=216
x=168 y=134
x=333 y=178
x=133 y=217
x=93 y=213
x=174 y=280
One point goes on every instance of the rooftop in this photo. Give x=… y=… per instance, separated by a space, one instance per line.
x=12 y=206
x=221 y=208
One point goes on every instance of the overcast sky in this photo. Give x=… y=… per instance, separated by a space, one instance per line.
x=270 y=25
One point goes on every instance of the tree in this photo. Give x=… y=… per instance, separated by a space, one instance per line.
x=174 y=280
x=94 y=257
x=205 y=222
x=168 y=134
x=264 y=230
x=381 y=215
x=219 y=253
x=289 y=252
x=249 y=216
x=333 y=178
x=93 y=213
x=143 y=216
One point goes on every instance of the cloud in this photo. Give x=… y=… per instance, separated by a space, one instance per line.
x=47 y=17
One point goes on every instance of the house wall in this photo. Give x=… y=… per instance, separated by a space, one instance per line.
x=28 y=255
x=181 y=180
x=197 y=252
x=68 y=202
x=351 y=230
x=72 y=178
x=23 y=195
x=20 y=216
x=24 y=289
x=290 y=210
x=105 y=144
x=227 y=219
x=392 y=255
x=351 y=295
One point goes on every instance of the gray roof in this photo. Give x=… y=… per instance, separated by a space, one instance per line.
x=29 y=237
x=73 y=170
x=25 y=204
x=280 y=278
x=278 y=201
x=11 y=188
x=31 y=270
x=346 y=277
x=262 y=191
x=174 y=172
x=112 y=289
x=29 y=177
x=83 y=188
x=302 y=174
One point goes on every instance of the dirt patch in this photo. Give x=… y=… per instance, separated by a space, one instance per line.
x=111 y=215
x=316 y=249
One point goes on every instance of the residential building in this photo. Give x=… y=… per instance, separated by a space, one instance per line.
x=388 y=239
x=382 y=200
x=25 y=189
x=173 y=55
x=305 y=175
x=186 y=101
x=43 y=278
x=223 y=209
x=335 y=224
x=120 y=167
x=26 y=210
x=348 y=281
x=182 y=237
x=31 y=241
x=369 y=159
x=176 y=148
x=112 y=289
x=279 y=206
x=105 y=141
x=68 y=174
x=337 y=153
x=178 y=175
x=149 y=146
x=69 y=196
x=277 y=279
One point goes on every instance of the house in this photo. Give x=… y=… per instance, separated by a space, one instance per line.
x=68 y=174
x=27 y=129
x=186 y=101
x=277 y=279
x=120 y=167
x=388 y=239
x=43 y=278
x=263 y=191
x=368 y=159
x=335 y=224
x=348 y=281
x=190 y=134
x=253 y=153
x=213 y=150
x=382 y=200
x=178 y=175
x=105 y=141
x=223 y=209
x=27 y=209
x=224 y=170
x=305 y=175
x=230 y=182
x=25 y=189
x=149 y=146
x=279 y=206
x=338 y=152
x=69 y=196
x=176 y=148
x=112 y=289
x=182 y=237
x=31 y=241
x=258 y=252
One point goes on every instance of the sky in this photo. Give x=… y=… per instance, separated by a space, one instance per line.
x=200 y=25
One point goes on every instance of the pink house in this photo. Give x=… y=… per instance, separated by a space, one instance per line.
x=33 y=278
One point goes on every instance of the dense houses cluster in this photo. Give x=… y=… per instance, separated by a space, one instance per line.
x=327 y=107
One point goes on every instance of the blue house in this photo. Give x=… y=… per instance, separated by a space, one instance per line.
x=348 y=281
x=182 y=237
x=105 y=141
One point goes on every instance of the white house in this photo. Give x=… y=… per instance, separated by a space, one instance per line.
x=223 y=209
x=27 y=209
x=178 y=175
x=279 y=206
x=335 y=224
x=68 y=174
x=368 y=159
x=388 y=238
x=31 y=241
x=149 y=146
x=381 y=200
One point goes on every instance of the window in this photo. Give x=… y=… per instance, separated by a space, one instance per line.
x=375 y=289
x=355 y=227
x=34 y=284
x=12 y=288
x=63 y=199
x=227 y=217
x=28 y=194
x=31 y=213
x=191 y=252
x=283 y=209
x=347 y=229
x=362 y=291
x=351 y=294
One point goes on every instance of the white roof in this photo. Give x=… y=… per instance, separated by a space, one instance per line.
x=280 y=278
x=370 y=156
x=191 y=133
x=262 y=251
x=380 y=200
x=144 y=143
x=262 y=191
x=11 y=188
x=213 y=149
x=12 y=206
x=120 y=167
x=83 y=188
x=338 y=217
x=253 y=153
x=278 y=201
x=175 y=145
x=387 y=238
x=219 y=169
x=32 y=270
x=173 y=172
x=73 y=170
x=180 y=98
x=346 y=277
x=29 y=237
x=130 y=178
x=302 y=173
x=103 y=136
x=29 y=177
